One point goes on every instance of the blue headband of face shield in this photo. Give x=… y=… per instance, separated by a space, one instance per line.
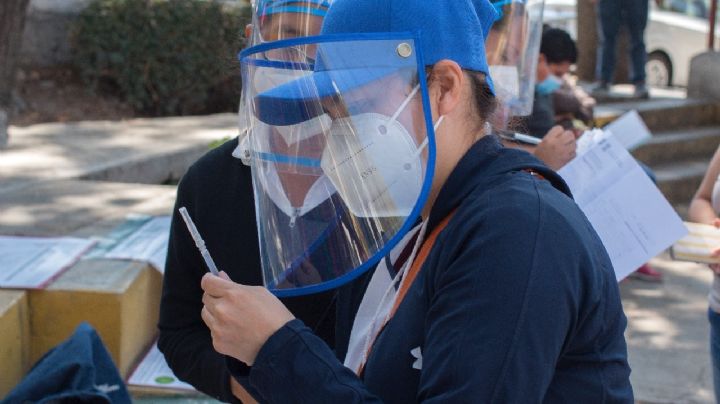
x=471 y=20
x=312 y=7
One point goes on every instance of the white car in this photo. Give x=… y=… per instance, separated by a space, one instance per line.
x=677 y=30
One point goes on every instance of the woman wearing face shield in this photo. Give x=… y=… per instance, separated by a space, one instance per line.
x=500 y=291
x=217 y=191
x=512 y=49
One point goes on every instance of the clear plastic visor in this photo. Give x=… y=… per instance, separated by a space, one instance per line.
x=512 y=46
x=338 y=191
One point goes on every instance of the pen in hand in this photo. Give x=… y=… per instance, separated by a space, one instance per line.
x=199 y=242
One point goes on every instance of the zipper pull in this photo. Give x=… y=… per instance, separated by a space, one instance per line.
x=293 y=218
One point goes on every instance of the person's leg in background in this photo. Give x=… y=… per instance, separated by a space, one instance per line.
x=636 y=12
x=609 y=17
x=714 y=319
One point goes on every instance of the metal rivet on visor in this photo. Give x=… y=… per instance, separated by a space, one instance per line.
x=404 y=50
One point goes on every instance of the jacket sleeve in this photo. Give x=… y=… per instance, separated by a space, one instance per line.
x=295 y=366
x=184 y=339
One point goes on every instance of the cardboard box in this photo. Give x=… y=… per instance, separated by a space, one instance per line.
x=120 y=299
x=14 y=339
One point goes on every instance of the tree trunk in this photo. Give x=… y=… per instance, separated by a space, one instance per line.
x=587 y=40
x=12 y=21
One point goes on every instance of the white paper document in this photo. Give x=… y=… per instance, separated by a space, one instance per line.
x=633 y=219
x=154 y=371
x=147 y=242
x=630 y=130
x=32 y=262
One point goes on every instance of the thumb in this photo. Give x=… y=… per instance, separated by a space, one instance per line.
x=224 y=275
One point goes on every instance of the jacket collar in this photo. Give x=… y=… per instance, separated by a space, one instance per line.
x=483 y=162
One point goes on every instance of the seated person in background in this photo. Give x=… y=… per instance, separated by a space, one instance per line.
x=560 y=112
x=218 y=193
x=571 y=103
x=558 y=101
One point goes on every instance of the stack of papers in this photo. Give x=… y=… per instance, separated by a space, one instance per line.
x=698 y=245
x=633 y=219
x=31 y=263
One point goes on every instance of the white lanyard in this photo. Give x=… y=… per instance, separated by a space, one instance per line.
x=378 y=301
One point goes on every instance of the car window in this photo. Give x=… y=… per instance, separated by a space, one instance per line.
x=690 y=8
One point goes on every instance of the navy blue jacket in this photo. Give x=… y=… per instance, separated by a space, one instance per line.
x=517 y=302
x=78 y=370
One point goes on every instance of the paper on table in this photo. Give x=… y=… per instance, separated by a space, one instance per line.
x=153 y=371
x=107 y=242
x=149 y=242
x=32 y=262
x=698 y=245
x=633 y=219
x=629 y=130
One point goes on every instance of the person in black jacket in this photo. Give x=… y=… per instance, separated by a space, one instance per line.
x=217 y=192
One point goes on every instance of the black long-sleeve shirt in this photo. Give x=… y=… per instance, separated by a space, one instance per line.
x=217 y=192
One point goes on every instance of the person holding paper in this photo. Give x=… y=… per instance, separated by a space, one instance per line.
x=217 y=191
x=491 y=286
x=704 y=208
x=512 y=53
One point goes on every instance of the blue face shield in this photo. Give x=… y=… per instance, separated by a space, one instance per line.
x=357 y=103
x=358 y=165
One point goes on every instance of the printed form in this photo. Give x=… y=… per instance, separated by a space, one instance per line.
x=629 y=130
x=147 y=241
x=32 y=262
x=633 y=219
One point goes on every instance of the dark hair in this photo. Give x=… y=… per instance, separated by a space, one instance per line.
x=558 y=46
x=484 y=99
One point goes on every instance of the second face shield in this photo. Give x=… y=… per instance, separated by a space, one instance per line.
x=343 y=150
x=512 y=47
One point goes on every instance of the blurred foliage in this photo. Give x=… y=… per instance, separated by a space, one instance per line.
x=165 y=57
x=217 y=143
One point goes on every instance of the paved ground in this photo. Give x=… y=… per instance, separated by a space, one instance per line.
x=667 y=331
x=148 y=151
x=667 y=334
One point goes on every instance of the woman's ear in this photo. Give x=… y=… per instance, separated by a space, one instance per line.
x=447 y=81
